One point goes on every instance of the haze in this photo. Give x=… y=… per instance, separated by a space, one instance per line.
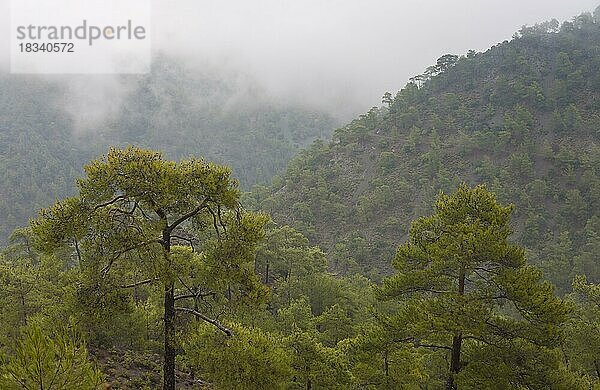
x=338 y=55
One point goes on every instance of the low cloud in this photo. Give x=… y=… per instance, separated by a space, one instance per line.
x=341 y=55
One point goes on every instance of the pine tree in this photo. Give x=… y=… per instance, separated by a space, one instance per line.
x=141 y=220
x=470 y=294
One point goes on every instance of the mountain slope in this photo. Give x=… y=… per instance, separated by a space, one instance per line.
x=523 y=117
x=174 y=109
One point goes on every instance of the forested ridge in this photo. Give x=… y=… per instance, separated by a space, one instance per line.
x=523 y=117
x=446 y=240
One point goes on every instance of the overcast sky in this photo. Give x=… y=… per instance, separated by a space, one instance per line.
x=343 y=54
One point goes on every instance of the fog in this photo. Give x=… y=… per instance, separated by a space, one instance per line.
x=338 y=55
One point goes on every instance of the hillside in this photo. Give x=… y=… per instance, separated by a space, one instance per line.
x=523 y=118
x=174 y=109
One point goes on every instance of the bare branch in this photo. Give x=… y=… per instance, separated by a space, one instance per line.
x=159 y=211
x=195 y=296
x=215 y=222
x=189 y=241
x=216 y=323
x=425 y=289
x=118 y=254
x=147 y=281
x=77 y=250
x=433 y=346
x=144 y=213
x=187 y=216
x=219 y=214
x=185 y=285
x=113 y=201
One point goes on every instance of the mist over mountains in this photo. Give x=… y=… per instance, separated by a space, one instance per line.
x=51 y=126
x=337 y=55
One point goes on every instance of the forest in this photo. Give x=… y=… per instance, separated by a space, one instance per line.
x=447 y=239
x=177 y=109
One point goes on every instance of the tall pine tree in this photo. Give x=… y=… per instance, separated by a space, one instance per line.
x=470 y=296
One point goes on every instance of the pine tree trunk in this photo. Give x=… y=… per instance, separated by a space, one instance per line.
x=386 y=368
x=386 y=364
x=454 y=361
x=169 y=322
x=456 y=342
x=267 y=274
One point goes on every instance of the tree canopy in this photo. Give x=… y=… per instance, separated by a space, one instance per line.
x=467 y=291
x=140 y=219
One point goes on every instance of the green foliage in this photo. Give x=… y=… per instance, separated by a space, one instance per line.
x=43 y=360
x=467 y=290
x=316 y=366
x=519 y=365
x=378 y=362
x=31 y=284
x=137 y=223
x=129 y=200
x=586 y=262
x=583 y=343
x=251 y=359
x=286 y=255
